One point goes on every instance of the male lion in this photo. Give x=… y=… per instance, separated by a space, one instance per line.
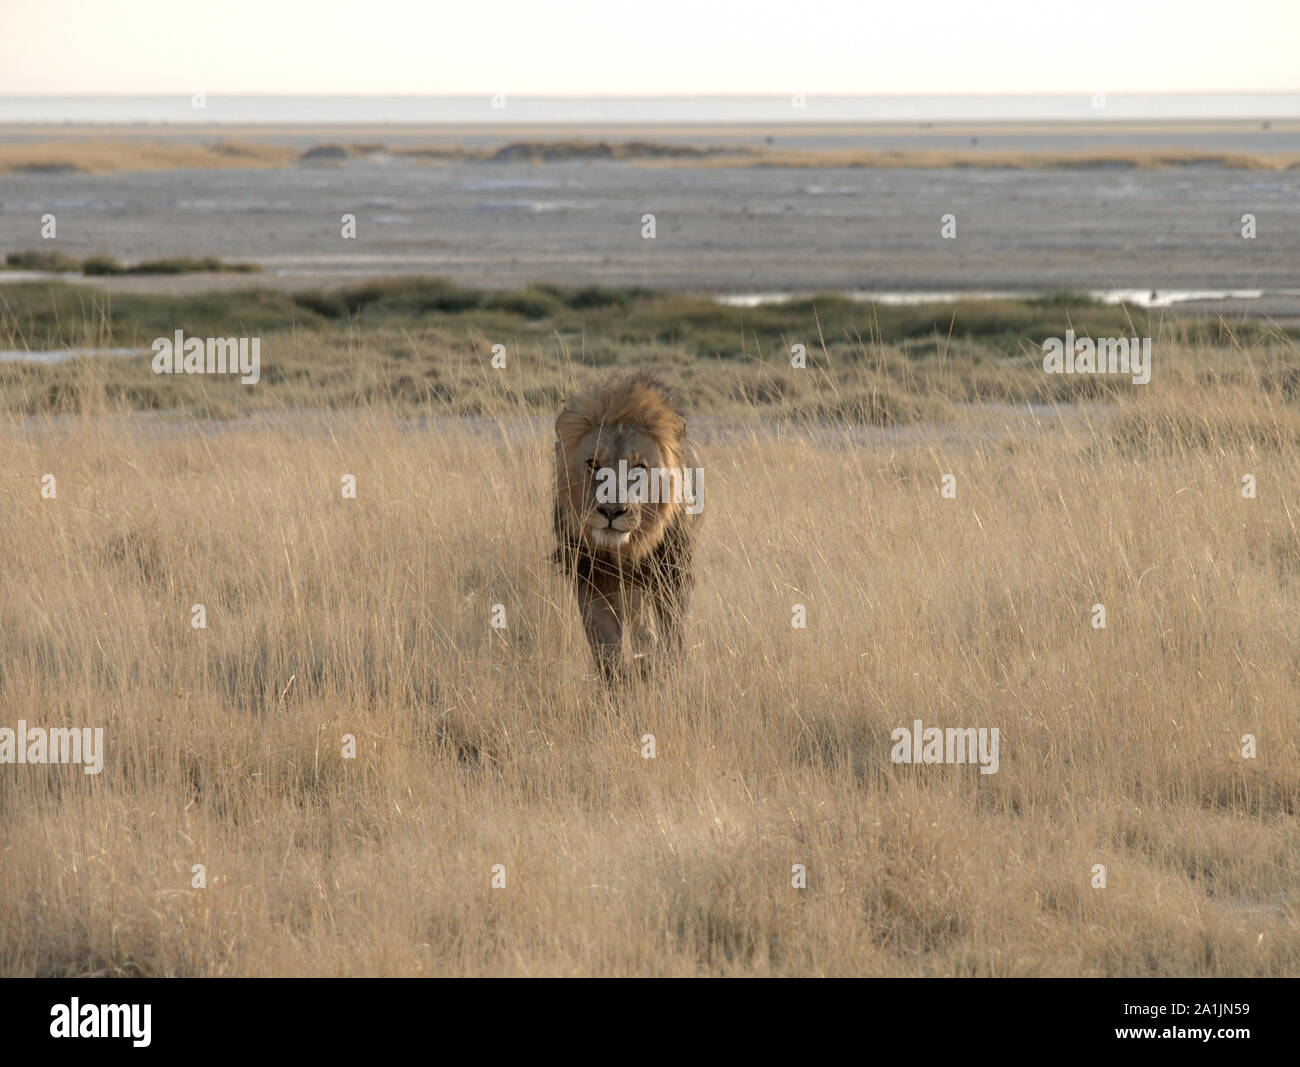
x=626 y=508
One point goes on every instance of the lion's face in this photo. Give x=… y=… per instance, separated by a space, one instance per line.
x=609 y=519
x=611 y=449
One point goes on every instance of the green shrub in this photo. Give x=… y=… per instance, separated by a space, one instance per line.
x=51 y=261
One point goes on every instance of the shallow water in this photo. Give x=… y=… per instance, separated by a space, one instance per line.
x=1146 y=297
x=62 y=355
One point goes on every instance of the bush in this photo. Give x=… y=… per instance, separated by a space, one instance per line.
x=530 y=303
x=102 y=265
x=51 y=261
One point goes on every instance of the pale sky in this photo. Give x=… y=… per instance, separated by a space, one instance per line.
x=663 y=47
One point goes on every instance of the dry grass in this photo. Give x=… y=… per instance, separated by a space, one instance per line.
x=99 y=155
x=478 y=747
x=939 y=159
x=103 y=154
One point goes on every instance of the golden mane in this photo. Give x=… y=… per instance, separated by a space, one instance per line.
x=638 y=398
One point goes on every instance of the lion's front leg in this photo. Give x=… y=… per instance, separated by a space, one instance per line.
x=646 y=633
x=669 y=601
x=604 y=627
x=665 y=641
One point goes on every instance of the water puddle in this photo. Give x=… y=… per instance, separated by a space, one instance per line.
x=63 y=355
x=1146 y=298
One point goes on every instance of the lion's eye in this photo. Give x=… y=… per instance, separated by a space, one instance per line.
x=592 y=465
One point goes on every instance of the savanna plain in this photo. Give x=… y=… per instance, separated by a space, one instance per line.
x=478 y=746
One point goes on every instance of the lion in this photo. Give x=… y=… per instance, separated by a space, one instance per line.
x=627 y=506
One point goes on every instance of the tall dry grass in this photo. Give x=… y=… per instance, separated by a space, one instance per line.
x=477 y=747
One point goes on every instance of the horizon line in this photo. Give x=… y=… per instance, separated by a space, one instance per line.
x=1110 y=93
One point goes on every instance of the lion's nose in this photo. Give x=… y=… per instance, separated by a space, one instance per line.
x=611 y=511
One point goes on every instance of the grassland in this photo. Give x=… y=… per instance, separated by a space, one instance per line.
x=478 y=746
x=416 y=344
x=104 y=154
x=100 y=155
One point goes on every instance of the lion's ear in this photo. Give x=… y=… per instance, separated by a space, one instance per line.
x=570 y=427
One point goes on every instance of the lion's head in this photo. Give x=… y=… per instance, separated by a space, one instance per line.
x=612 y=445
